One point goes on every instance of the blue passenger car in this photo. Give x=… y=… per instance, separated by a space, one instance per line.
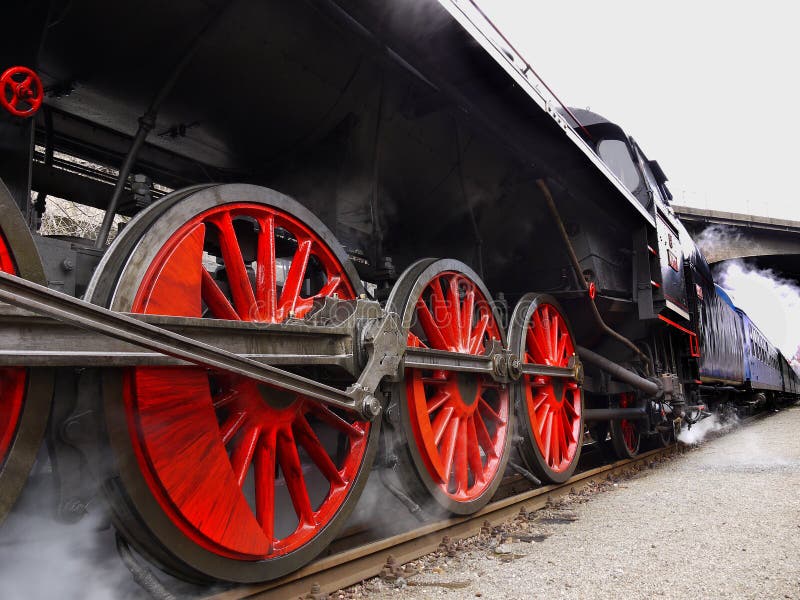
x=762 y=368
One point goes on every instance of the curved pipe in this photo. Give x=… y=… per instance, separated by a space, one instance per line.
x=576 y=266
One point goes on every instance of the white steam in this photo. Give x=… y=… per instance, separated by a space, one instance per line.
x=42 y=558
x=773 y=303
x=716 y=238
x=701 y=430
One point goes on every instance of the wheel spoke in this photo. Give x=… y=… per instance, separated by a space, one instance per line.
x=455 y=315
x=561 y=435
x=294 y=279
x=292 y=471
x=541 y=398
x=265 y=486
x=266 y=280
x=467 y=318
x=569 y=436
x=483 y=405
x=231 y=425
x=541 y=418
x=335 y=421
x=556 y=334
x=570 y=408
x=216 y=301
x=440 y=423
x=415 y=342
x=241 y=290
x=562 y=348
x=441 y=312
x=225 y=398
x=534 y=345
x=438 y=400
x=477 y=334
x=305 y=435
x=461 y=458
x=243 y=454
x=474 y=450
x=548 y=432
x=434 y=334
x=484 y=439
x=448 y=450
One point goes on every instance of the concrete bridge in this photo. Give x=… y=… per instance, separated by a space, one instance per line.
x=771 y=243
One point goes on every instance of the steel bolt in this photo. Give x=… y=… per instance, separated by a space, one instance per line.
x=371 y=407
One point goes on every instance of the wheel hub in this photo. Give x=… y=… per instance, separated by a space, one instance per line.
x=466 y=386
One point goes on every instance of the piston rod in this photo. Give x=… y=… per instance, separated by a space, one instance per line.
x=614 y=414
x=618 y=372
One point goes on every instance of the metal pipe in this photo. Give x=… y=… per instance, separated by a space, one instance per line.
x=618 y=372
x=614 y=414
x=576 y=266
x=720 y=388
x=147 y=123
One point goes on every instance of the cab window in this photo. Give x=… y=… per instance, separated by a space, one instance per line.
x=616 y=155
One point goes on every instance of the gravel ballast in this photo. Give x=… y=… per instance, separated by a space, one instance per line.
x=722 y=521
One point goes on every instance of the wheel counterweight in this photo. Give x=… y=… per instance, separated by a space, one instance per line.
x=236 y=480
x=456 y=425
x=549 y=409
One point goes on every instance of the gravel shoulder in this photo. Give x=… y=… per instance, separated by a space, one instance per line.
x=722 y=521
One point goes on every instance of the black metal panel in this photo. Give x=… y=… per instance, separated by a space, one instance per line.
x=721 y=335
x=672 y=268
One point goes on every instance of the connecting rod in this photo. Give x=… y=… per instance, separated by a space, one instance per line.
x=44 y=301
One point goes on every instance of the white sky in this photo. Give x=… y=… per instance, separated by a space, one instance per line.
x=709 y=89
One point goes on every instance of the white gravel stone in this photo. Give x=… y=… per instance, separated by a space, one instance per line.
x=722 y=521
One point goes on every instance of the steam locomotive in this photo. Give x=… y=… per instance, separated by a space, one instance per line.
x=340 y=239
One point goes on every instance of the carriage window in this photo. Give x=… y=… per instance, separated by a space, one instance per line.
x=616 y=155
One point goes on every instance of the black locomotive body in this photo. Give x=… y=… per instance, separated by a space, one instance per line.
x=265 y=324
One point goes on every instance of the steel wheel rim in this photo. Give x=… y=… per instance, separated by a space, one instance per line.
x=25 y=393
x=460 y=446
x=148 y=513
x=12 y=379
x=553 y=412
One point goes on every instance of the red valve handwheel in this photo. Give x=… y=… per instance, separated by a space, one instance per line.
x=21 y=91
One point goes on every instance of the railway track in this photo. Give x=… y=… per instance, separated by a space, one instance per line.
x=351 y=565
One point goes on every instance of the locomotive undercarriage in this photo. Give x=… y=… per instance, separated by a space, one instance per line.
x=360 y=359
x=226 y=371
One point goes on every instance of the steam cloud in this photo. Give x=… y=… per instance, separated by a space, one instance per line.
x=701 y=430
x=773 y=303
x=45 y=559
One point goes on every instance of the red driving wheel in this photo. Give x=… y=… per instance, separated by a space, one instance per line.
x=237 y=480
x=549 y=409
x=455 y=425
x=21 y=91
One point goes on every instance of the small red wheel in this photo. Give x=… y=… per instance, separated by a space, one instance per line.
x=626 y=436
x=549 y=409
x=21 y=91
x=240 y=481
x=455 y=426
